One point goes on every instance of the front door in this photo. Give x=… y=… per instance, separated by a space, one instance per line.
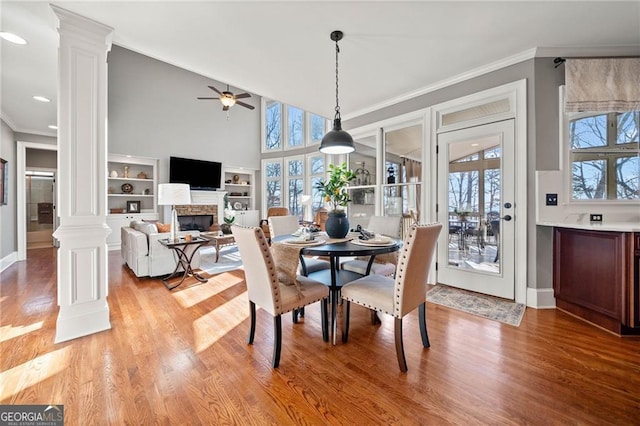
x=476 y=192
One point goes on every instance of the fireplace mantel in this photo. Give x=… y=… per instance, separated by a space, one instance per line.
x=201 y=197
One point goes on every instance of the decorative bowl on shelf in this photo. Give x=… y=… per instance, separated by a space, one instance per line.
x=142 y=175
x=116 y=211
x=127 y=188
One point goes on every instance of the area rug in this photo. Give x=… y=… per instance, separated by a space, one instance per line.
x=477 y=304
x=229 y=260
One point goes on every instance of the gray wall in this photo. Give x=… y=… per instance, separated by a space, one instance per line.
x=41 y=158
x=542 y=132
x=8 y=242
x=153 y=112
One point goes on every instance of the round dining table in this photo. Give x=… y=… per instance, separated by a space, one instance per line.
x=335 y=277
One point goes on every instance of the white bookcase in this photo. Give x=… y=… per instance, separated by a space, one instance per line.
x=239 y=183
x=132 y=185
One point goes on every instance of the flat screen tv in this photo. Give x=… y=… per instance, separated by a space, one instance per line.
x=199 y=174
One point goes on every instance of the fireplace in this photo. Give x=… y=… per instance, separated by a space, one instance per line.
x=200 y=222
x=197 y=217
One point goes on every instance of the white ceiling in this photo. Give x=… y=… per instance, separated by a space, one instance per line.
x=392 y=50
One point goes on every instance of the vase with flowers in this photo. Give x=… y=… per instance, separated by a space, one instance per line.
x=229 y=217
x=334 y=191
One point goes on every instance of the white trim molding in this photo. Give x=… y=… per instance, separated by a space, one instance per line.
x=541 y=298
x=8 y=260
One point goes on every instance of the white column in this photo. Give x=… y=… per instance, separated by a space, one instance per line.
x=82 y=171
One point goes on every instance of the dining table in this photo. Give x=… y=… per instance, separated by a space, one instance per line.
x=334 y=249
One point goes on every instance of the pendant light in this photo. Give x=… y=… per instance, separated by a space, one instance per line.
x=337 y=141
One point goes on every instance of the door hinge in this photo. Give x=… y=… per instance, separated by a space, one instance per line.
x=436 y=207
x=437 y=149
x=436 y=266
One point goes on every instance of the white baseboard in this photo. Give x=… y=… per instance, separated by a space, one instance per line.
x=8 y=260
x=540 y=298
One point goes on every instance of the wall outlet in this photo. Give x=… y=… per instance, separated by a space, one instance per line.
x=595 y=217
x=551 y=199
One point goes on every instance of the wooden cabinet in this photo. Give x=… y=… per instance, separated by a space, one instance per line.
x=595 y=277
x=132 y=184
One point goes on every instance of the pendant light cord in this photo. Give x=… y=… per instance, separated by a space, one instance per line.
x=337 y=116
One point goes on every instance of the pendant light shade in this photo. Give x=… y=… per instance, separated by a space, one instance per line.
x=337 y=141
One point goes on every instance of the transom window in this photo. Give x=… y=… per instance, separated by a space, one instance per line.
x=604 y=151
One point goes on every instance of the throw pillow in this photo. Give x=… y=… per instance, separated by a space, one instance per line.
x=147 y=228
x=163 y=227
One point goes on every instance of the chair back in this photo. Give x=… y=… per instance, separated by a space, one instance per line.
x=277 y=211
x=385 y=225
x=259 y=267
x=321 y=218
x=283 y=225
x=413 y=267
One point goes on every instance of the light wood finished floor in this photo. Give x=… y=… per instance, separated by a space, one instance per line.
x=180 y=358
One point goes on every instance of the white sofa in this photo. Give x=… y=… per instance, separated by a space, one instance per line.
x=142 y=252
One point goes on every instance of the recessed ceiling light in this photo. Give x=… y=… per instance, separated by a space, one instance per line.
x=53 y=126
x=41 y=99
x=475 y=144
x=13 y=38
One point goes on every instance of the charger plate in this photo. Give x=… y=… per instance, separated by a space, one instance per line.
x=373 y=243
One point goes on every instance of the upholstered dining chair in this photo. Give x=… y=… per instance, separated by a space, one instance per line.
x=287 y=225
x=385 y=264
x=272 y=211
x=399 y=296
x=267 y=290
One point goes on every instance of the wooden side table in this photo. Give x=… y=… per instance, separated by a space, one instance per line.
x=219 y=241
x=184 y=259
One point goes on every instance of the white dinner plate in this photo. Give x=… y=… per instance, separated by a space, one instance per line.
x=297 y=242
x=373 y=243
x=237 y=205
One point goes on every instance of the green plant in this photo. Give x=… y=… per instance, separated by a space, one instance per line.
x=334 y=189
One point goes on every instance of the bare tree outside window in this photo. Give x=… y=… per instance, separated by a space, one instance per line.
x=605 y=156
x=273 y=125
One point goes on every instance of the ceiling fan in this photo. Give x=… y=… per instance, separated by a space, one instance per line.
x=228 y=99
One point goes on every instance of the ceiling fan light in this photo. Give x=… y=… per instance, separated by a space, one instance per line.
x=337 y=141
x=228 y=101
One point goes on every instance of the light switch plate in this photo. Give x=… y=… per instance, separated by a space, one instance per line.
x=597 y=217
x=551 y=199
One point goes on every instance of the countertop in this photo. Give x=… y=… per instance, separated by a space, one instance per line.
x=597 y=226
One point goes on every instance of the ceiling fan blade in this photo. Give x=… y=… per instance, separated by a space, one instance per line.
x=243 y=95
x=245 y=105
x=208 y=98
x=215 y=90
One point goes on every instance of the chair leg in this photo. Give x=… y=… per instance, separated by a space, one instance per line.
x=402 y=362
x=252 y=327
x=324 y=316
x=345 y=328
x=294 y=316
x=277 y=340
x=423 y=325
x=375 y=319
x=301 y=312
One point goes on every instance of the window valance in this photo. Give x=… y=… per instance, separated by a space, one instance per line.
x=602 y=84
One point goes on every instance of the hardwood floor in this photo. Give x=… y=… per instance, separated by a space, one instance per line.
x=180 y=358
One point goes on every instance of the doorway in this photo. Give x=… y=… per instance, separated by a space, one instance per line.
x=39 y=209
x=476 y=186
x=45 y=161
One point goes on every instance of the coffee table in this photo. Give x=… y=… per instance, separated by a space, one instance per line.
x=219 y=241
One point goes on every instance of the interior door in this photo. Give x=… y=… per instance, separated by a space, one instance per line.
x=476 y=191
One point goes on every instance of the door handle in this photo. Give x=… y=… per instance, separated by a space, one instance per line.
x=506 y=217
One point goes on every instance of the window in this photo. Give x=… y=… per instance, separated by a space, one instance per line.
x=475 y=184
x=295 y=127
x=317 y=128
x=272 y=178
x=316 y=173
x=272 y=126
x=295 y=184
x=604 y=151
